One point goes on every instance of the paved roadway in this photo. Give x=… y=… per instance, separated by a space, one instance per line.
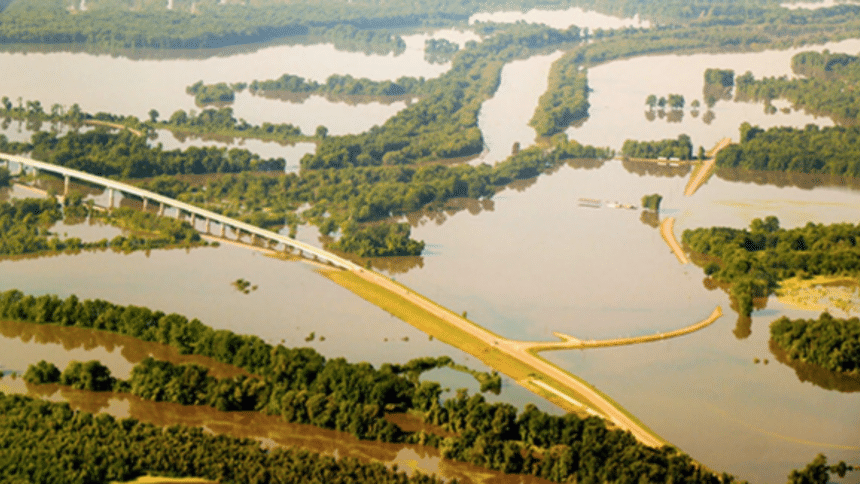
x=514 y=349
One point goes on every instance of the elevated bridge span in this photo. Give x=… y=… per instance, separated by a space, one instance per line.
x=147 y=196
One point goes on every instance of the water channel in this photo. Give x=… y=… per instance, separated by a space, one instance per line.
x=527 y=263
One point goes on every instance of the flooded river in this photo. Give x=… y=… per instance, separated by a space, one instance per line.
x=527 y=263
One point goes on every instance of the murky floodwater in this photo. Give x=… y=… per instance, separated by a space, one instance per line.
x=815 y=5
x=504 y=119
x=540 y=262
x=618 y=110
x=133 y=87
x=529 y=262
x=562 y=19
x=271 y=431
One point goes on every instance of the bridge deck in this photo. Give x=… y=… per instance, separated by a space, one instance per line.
x=197 y=211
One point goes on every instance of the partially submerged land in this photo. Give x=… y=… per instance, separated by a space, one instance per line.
x=399 y=167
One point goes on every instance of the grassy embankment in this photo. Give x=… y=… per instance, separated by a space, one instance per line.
x=820 y=293
x=495 y=358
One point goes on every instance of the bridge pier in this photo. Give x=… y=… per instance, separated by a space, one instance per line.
x=223 y=230
x=193 y=218
x=161 y=209
x=208 y=226
x=110 y=198
x=145 y=203
x=66 y=186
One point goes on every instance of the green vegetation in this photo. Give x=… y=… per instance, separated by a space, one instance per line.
x=365 y=194
x=818 y=472
x=566 y=98
x=302 y=386
x=754 y=261
x=439 y=51
x=652 y=202
x=5 y=175
x=24 y=228
x=830 y=150
x=337 y=87
x=444 y=123
x=214 y=93
x=377 y=240
x=674 y=101
x=244 y=286
x=127 y=156
x=680 y=149
x=827 y=342
x=718 y=85
x=96 y=449
x=221 y=122
x=825 y=85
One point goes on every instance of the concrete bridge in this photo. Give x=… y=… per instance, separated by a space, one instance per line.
x=113 y=187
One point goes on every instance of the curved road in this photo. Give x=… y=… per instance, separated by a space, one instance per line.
x=517 y=350
x=667 y=230
x=571 y=343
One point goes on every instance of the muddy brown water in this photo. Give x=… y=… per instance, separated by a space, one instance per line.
x=527 y=263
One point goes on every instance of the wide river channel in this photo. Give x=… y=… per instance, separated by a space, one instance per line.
x=524 y=264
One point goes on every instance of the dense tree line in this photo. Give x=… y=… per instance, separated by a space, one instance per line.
x=681 y=148
x=827 y=342
x=336 y=87
x=443 y=124
x=25 y=224
x=754 y=260
x=5 y=174
x=833 y=150
x=126 y=155
x=718 y=85
x=565 y=101
x=302 y=386
x=365 y=194
x=358 y=26
x=377 y=240
x=220 y=93
x=825 y=85
x=82 y=448
x=439 y=51
x=222 y=122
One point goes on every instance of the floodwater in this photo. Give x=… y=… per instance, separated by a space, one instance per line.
x=540 y=262
x=618 y=110
x=272 y=431
x=504 y=119
x=562 y=19
x=527 y=263
x=816 y=5
x=133 y=87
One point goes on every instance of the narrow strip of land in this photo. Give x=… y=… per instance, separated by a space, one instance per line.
x=569 y=342
x=517 y=359
x=701 y=174
x=667 y=230
x=97 y=122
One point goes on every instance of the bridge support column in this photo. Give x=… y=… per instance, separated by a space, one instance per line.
x=193 y=218
x=145 y=203
x=161 y=209
x=223 y=230
x=110 y=198
x=208 y=226
x=253 y=239
x=66 y=186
